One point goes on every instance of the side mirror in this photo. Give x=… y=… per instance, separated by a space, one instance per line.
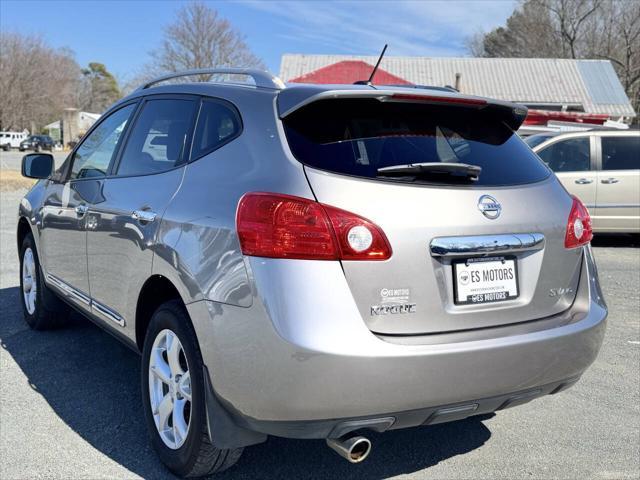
x=37 y=165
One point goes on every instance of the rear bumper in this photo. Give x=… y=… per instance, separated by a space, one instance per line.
x=336 y=428
x=316 y=376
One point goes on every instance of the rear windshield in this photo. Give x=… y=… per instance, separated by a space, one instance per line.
x=359 y=136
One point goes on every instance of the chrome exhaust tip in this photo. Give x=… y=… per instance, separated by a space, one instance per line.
x=352 y=449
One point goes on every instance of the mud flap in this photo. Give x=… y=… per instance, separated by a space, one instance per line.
x=223 y=431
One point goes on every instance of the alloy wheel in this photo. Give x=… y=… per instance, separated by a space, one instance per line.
x=29 y=281
x=170 y=389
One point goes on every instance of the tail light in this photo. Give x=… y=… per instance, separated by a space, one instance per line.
x=579 y=230
x=283 y=226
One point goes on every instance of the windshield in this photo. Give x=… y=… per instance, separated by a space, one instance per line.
x=359 y=136
x=535 y=140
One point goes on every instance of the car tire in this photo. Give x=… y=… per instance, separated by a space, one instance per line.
x=42 y=309
x=36 y=149
x=190 y=455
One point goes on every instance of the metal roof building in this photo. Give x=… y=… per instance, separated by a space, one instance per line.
x=591 y=86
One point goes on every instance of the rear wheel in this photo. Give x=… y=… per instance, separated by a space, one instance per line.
x=41 y=308
x=173 y=393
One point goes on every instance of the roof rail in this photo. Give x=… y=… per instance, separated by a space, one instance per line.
x=263 y=78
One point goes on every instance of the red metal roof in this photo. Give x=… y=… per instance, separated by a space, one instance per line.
x=349 y=71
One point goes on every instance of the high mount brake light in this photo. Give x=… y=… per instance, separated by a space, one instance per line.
x=579 y=231
x=438 y=99
x=283 y=226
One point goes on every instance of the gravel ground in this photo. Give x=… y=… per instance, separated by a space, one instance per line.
x=70 y=406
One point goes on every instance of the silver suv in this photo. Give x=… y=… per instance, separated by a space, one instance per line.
x=313 y=261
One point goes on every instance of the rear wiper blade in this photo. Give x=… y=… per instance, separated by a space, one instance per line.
x=472 y=172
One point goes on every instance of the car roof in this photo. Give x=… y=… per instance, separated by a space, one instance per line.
x=293 y=96
x=597 y=131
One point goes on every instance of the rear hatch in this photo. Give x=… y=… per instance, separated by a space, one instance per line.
x=469 y=251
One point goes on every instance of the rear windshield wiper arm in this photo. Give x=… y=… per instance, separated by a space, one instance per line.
x=472 y=172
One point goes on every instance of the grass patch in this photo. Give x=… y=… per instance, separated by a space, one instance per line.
x=11 y=180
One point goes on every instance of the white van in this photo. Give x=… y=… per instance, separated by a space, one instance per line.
x=9 y=140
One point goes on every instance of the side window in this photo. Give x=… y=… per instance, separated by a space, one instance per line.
x=621 y=153
x=571 y=155
x=217 y=124
x=158 y=138
x=93 y=156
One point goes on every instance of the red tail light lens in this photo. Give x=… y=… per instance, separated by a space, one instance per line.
x=357 y=237
x=579 y=230
x=283 y=226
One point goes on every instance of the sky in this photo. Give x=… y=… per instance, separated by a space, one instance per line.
x=121 y=33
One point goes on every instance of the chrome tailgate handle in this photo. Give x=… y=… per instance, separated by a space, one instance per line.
x=484 y=244
x=145 y=216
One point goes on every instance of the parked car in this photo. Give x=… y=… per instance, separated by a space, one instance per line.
x=9 y=140
x=37 y=143
x=313 y=261
x=602 y=168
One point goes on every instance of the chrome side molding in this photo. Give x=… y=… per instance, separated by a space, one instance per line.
x=107 y=313
x=86 y=300
x=485 y=244
x=68 y=289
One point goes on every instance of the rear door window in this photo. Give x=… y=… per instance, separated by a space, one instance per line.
x=359 y=136
x=570 y=155
x=159 y=137
x=621 y=153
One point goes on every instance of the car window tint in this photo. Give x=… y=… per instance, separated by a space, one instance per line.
x=217 y=124
x=158 y=138
x=358 y=137
x=570 y=155
x=93 y=156
x=621 y=153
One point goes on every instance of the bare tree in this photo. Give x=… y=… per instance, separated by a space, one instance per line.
x=616 y=37
x=529 y=29
x=37 y=82
x=571 y=16
x=200 y=38
x=607 y=29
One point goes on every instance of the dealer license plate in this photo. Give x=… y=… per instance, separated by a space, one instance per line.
x=485 y=280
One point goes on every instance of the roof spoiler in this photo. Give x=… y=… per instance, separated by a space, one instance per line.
x=513 y=114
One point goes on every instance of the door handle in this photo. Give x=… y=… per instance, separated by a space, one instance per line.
x=609 y=180
x=81 y=210
x=144 y=216
x=583 y=181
